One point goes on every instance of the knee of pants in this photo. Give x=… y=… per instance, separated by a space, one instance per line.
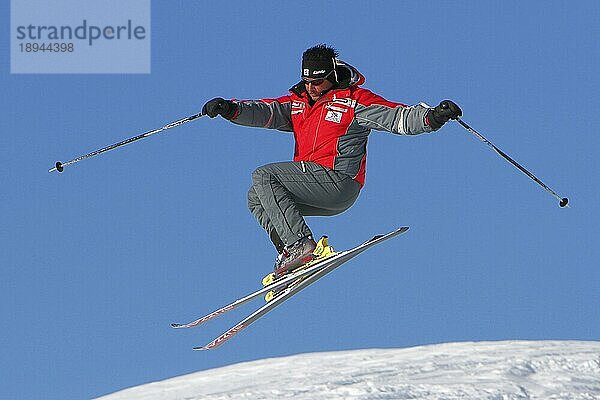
x=259 y=175
x=253 y=200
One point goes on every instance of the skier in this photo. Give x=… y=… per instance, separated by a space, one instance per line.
x=331 y=116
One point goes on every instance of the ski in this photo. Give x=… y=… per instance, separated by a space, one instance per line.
x=310 y=275
x=275 y=285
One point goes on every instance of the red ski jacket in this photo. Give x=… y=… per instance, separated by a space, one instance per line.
x=333 y=131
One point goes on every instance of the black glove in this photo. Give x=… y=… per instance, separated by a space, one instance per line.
x=439 y=115
x=220 y=106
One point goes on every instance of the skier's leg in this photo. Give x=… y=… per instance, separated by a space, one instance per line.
x=277 y=208
x=288 y=191
x=261 y=216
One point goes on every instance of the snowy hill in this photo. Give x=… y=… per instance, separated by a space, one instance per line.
x=481 y=370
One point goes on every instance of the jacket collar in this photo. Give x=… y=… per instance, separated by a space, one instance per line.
x=349 y=78
x=299 y=91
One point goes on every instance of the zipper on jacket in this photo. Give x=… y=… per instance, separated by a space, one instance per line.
x=317 y=132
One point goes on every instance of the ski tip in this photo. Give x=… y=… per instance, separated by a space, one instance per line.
x=402 y=229
x=201 y=348
x=176 y=325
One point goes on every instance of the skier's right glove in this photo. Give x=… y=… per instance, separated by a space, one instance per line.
x=438 y=116
x=220 y=106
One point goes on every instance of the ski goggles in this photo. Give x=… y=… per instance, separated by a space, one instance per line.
x=316 y=81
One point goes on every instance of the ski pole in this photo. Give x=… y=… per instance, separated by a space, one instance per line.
x=563 y=201
x=59 y=166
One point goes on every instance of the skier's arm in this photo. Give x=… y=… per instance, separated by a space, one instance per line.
x=267 y=113
x=375 y=112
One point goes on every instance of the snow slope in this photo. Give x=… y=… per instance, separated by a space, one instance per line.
x=472 y=370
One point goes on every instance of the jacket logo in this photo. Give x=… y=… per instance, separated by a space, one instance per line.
x=297 y=107
x=333 y=116
x=336 y=108
x=321 y=71
x=298 y=104
x=345 y=101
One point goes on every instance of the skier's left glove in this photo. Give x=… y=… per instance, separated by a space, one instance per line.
x=438 y=116
x=220 y=106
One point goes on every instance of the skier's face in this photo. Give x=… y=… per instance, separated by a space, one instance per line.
x=316 y=87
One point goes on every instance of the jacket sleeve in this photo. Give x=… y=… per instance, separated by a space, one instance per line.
x=374 y=112
x=266 y=113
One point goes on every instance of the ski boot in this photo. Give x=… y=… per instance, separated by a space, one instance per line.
x=321 y=250
x=295 y=256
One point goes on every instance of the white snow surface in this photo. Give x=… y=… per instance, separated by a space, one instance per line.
x=503 y=370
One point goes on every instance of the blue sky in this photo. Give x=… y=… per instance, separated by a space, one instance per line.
x=98 y=261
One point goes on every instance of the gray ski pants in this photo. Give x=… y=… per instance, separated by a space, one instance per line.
x=283 y=193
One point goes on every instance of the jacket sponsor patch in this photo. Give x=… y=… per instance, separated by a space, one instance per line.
x=297 y=107
x=345 y=101
x=333 y=116
x=334 y=108
x=297 y=104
